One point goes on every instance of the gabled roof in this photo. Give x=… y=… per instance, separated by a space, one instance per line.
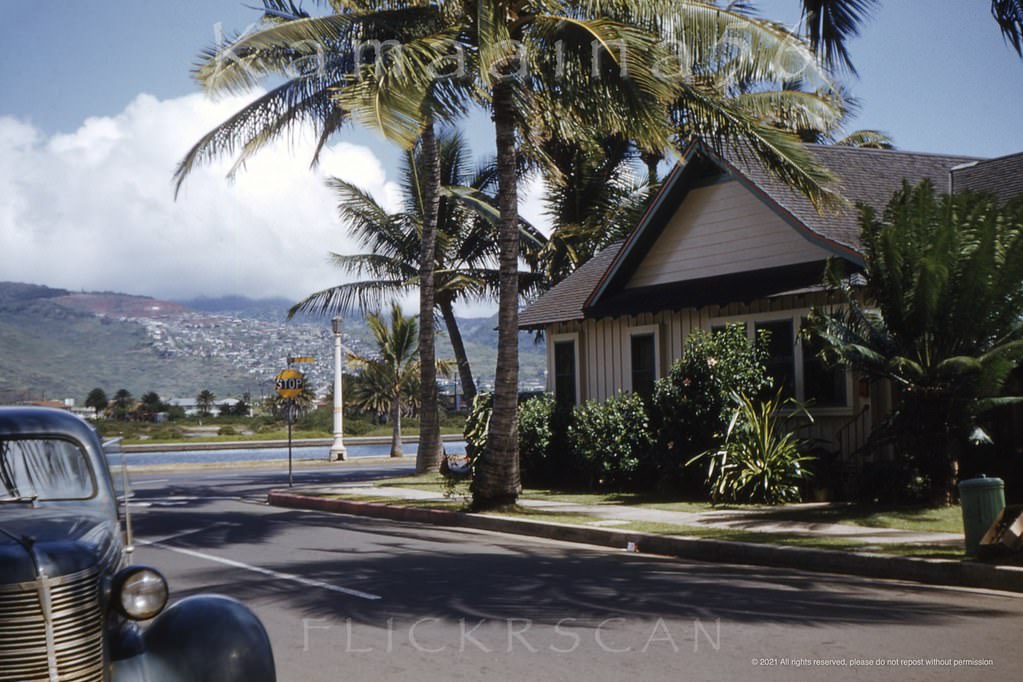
x=1002 y=176
x=565 y=300
x=864 y=176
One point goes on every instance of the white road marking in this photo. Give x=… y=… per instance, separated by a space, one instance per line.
x=263 y=571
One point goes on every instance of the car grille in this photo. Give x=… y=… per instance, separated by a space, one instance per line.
x=77 y=646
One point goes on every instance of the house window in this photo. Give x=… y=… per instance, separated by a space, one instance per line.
x=792 y=361
x=644 y=363
x=781 y=350
x=825 y=386
x=565 y=373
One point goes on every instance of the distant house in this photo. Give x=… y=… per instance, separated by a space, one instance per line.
x=725 y=242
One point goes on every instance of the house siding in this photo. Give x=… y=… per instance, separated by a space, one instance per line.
x=722 y=229
x=603 y=348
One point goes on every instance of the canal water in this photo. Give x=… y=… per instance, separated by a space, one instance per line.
x=265 y=454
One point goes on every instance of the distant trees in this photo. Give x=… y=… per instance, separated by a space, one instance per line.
x=122 y=404
x=97 y=399
x=204 y=401
x=149 y=405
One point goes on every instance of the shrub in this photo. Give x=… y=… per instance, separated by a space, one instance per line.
x=614 y=440
x=227 y=431
x=535 y=432
x=761 y=460
x=691 y=406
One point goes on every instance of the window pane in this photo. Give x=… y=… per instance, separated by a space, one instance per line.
x=643 y=364
x=46 y=468
x=564 y=373
x=781 y=363
x=825 y=386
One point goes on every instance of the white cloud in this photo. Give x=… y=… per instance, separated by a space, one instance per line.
x=94 y=209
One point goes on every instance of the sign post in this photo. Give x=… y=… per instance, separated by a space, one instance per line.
x=289 y=384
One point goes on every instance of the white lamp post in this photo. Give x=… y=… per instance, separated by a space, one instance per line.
x=338 y=452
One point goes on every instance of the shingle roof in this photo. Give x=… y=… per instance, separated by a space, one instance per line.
x=565 y=300
x=864 y=176
x=1002 y=176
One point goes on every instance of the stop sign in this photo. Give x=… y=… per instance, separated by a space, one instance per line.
x=289 y=383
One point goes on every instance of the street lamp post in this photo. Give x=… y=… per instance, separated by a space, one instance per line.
x=338 y=452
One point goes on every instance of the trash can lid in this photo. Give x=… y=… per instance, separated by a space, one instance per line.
x=981 y=483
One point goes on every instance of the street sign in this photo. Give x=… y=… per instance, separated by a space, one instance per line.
x=289 y=383
x=301 y=358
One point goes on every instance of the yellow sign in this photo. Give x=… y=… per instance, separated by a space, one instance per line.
x=289 y=383
x=301 y=358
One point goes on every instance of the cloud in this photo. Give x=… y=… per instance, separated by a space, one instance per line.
x=94 y=209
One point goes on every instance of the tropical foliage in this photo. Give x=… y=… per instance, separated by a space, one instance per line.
x=465 y=257
x=691 y=406
x=940 y=316
x=761 y=459
x=389 y=381
x=205 y=401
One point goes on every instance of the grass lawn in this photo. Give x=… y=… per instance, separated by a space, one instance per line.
x=914 y=519
x=919 y=519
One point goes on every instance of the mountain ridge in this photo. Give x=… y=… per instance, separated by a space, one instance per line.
x=55 y=343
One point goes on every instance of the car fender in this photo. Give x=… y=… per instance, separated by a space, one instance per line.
x=206 y=638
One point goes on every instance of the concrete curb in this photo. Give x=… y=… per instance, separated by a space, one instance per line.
x=929 y=571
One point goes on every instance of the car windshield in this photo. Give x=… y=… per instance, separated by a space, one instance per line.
x=44 y=469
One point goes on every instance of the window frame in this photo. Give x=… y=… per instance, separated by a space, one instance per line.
x=640 y=330
x=573 y=338
x=795 y=316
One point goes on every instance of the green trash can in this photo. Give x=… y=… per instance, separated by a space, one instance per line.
x=982 y=500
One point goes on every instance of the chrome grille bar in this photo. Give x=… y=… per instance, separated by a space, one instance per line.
x=73 y=651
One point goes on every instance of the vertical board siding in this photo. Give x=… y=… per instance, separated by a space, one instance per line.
x=604 y=349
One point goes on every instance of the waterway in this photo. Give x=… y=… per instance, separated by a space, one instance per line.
x=266 y=454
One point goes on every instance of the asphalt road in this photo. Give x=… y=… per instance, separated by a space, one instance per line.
x=351 y=598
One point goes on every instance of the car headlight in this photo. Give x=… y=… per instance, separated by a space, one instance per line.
x=139 y=592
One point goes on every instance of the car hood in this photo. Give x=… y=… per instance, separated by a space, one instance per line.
x=60 y=541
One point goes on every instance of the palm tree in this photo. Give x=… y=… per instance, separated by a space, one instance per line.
x=122 y=403
x=946 y=276
x=465 y=255
x=389 y=379
x=830 y=23
x=204 y=401
x=316 y=57
x=570 y=70
x=594 y=200
x=558 y=72
x=97 y=399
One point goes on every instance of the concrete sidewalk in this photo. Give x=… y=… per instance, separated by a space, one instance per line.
x=604 y=531
x=608 y=515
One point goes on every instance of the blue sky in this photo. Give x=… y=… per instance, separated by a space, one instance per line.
x=97 y=105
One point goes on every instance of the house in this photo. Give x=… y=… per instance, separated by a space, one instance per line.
x=725 y=242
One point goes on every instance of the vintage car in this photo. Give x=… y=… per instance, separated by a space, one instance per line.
x=71 y=608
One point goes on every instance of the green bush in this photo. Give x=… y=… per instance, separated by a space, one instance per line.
x=535 y=417
x=761 y=459
x=614 y=440
x=477 y=427
x=691 y=406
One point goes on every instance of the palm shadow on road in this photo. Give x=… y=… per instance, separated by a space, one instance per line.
x=452 y=574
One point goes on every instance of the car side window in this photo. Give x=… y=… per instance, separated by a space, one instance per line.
x=44 y=469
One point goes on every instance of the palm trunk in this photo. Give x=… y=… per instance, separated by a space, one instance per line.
x=496 y=480
x=455 y=335
x=430 y=451
x=396 y=450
